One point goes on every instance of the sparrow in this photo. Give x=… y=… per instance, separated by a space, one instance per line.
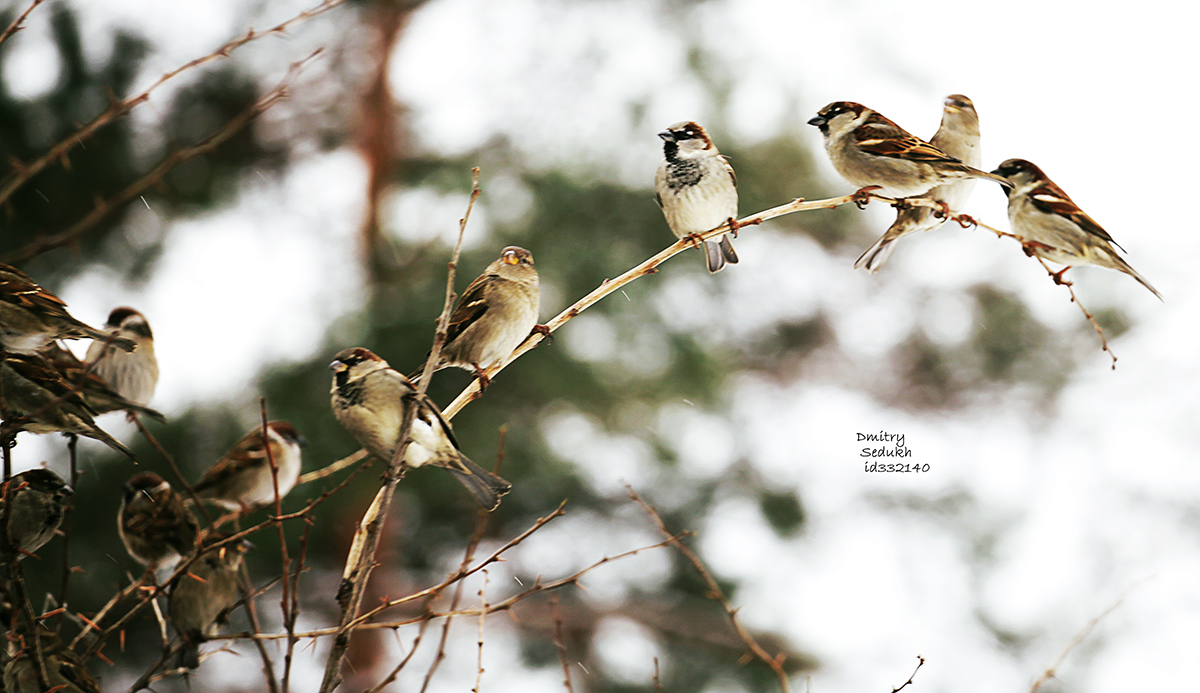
x=1054 y=228
x=32 y=317
x=39 y=498
x=369 y=399
x=96 y=391
x=495 y=314
x=37 y=393
x=697 y=190
x=957 y=136
x=154 y=526
x=203 y=596
x=133 y=374
x=65 y=670
x=869 y=151
x=242 y=480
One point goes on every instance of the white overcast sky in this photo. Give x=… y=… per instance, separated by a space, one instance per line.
x=1089 y=500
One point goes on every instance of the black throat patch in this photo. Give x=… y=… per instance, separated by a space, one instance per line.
x=681 y=173
x=349 y=393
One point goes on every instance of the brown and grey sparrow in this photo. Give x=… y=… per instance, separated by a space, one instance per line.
x=869 y=150
x=65 y=670
x=242 y=479
x=697 y=190
x=369 y=399
x=39 y=498
x=40 y=400
x=1050 y=225
x=132 y=374
x=958 y=136
x=203 y=596
x=155 y=527
x=32 y=317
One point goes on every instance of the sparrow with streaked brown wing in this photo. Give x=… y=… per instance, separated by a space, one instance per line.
x=39 y=499
x=40 y=400
x=1050 y=225
x=32 y=317
x=869 y=150
x=697 y=190
x=132 y=374
x=203 y=596
x=65 y=670
x=369 y=399
x=154 y=525
x=496 y=313
x=242 y=480
x=96 y=391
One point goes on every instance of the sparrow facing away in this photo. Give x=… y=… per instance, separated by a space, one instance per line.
x=697 y=190
x=203 y=597
x=495 y=314
x=958 y=136
x=133 y=374
x=33 y=389
x=32 y=317
x=96 y=391
x=1054 y=228
x=154 y=526
x=369 y=399
x=65 y=670
x=241 y=480
x=869 y=150
x=39 y=499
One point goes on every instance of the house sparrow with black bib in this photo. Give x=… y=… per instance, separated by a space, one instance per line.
x=697 y=190
x=96 y=391
x=870 y=151
x=495 y=314
x=203 y=596
x=32 y=317
x=39 y=498
x=242 y=480
x=369 y=399
x=958 y=136
x=155 y=527
x=65 y=670
x=1054 y=228
x=132 y=374
x=37 y=393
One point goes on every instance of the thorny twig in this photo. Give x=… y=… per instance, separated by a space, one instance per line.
x=715 y=593
x=1082 y=635
x=920 y=663
x=16 y=23
x=116 y=109
x=560 y=644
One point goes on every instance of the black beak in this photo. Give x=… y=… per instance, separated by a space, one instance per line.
x=817 y=121
x=667 y=136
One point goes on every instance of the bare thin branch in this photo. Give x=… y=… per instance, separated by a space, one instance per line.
x=920 y=663
x=1082 y=635
x=16 y=23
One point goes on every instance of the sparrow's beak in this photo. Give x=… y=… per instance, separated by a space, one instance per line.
x=817 y=121
x=338 y=367
x=667 y=136
x=510 y=258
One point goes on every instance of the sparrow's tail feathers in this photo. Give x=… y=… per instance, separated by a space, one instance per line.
x=907 y=221
x=728 y=251
x=1004 y=182
x=147 y=411
x=106 y=338
x=189 y=652
x=482 y=484
x=1124 y=267
x=95 y=433
x=713 y=256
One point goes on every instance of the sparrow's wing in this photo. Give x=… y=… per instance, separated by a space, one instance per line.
x=39 y=371
x=729 y=167
x=1048 y=198
x=882 y=137
x=249 y=452
x=18 y=289
x=470 y=308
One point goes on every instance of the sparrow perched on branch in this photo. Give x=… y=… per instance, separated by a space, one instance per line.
x=203 y=596
x=957 y=136
x=154 y=526
x=65 y=670
x=132 y=374
x=869 y=150
x=697 y=190
x=39 y=498
x=1054 y=228
x=96 y=391
x=369 y=399
x=241 y=480
x=495 y=314
x=45 y=402
x=32 y=317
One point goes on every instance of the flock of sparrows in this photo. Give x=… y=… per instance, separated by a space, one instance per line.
x=45 y=388
x=697 y=189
